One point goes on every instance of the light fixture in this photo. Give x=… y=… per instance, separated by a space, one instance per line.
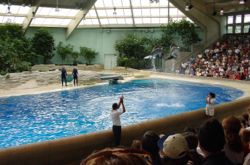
x=214 y=11
x=221 y=11
x=188 y=6
x=114 y=12
x=152 y=1
x=8 y=8
x=242 y=2
x=57 y=9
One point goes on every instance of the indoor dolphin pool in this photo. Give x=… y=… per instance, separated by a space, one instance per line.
x=35 y=118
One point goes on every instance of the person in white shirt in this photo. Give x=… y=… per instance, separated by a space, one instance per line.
x=115 y=116
x=210 y=101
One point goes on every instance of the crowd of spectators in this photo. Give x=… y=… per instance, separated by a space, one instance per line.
x=227 y=58
x=213 y=143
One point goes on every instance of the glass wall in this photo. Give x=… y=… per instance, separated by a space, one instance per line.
x=238 y=23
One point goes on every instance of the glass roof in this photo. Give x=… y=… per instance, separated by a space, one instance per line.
x=11 y=19
x=104 y=13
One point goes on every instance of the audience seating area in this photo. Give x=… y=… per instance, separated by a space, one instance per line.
x=226 y=142
x=227 y=58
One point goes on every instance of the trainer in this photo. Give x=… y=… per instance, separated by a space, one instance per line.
x=115 y=116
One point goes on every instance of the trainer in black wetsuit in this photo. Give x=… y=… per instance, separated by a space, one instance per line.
x=64 y=76
x=75 y=76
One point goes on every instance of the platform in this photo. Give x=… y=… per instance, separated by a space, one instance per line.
x=113 y=79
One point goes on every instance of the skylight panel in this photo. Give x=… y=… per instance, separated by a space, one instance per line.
x=137 y=12
x=172 y=12
x=146 y=20
x=108 y=3
x=24 y=10
x=110 y=12
x=163 y=3
x=52 y=11
x=146 y=3
x=11 y=19
x=86 y=22
x=3 y=8
x=163 y=11
x=14 y=9
x=127 y=12
x=155 y=20
x=50 y=21
x=99 y=3
x=104 y=21
x=176 y=19
x=136 y=3
x=91 y=13
x=37 y=21
x=121 y=21
x=65 y=22
x=126 y=3
x=138 y=21
x=163 y=20
x=112 y=21
x=101 y=13
x=145 y=12
x=89 y=22
x=118 y=3
x=155 y=12
x=95 y=21
x=129 y=20
x=43 y=11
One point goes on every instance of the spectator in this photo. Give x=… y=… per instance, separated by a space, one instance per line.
x=118 y=156
x=136 y=144
x=149 y=143
x=211 y=142
x=234 y=146
x=192 y=141
x=175 y=150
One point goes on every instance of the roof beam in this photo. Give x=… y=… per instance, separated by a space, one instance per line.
x=98 y=18
x=30 y=16
x=80 y=15
x=132 y=13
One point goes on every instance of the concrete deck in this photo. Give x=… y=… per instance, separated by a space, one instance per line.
x=90 y=78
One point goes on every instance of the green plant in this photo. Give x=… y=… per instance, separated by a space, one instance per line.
x=182 y=33
x=43 y=44
x=15 y=50
x=132 y=50
x=75 y=56
x=64 y=51
x=88 y=54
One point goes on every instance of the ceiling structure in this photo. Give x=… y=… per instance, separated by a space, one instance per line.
x=72 y=14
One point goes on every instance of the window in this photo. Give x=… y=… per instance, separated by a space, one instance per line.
x=230 y=29
x=246 y=28
x=230 y=19
x=238 y=19
x=238 y=23
x=238 y=29
x=247 y=18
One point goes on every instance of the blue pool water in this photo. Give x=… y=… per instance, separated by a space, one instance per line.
x=34 y=118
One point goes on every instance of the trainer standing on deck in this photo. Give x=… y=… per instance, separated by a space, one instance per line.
x=75 y=76
x=115 y=116
x=64 y=76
